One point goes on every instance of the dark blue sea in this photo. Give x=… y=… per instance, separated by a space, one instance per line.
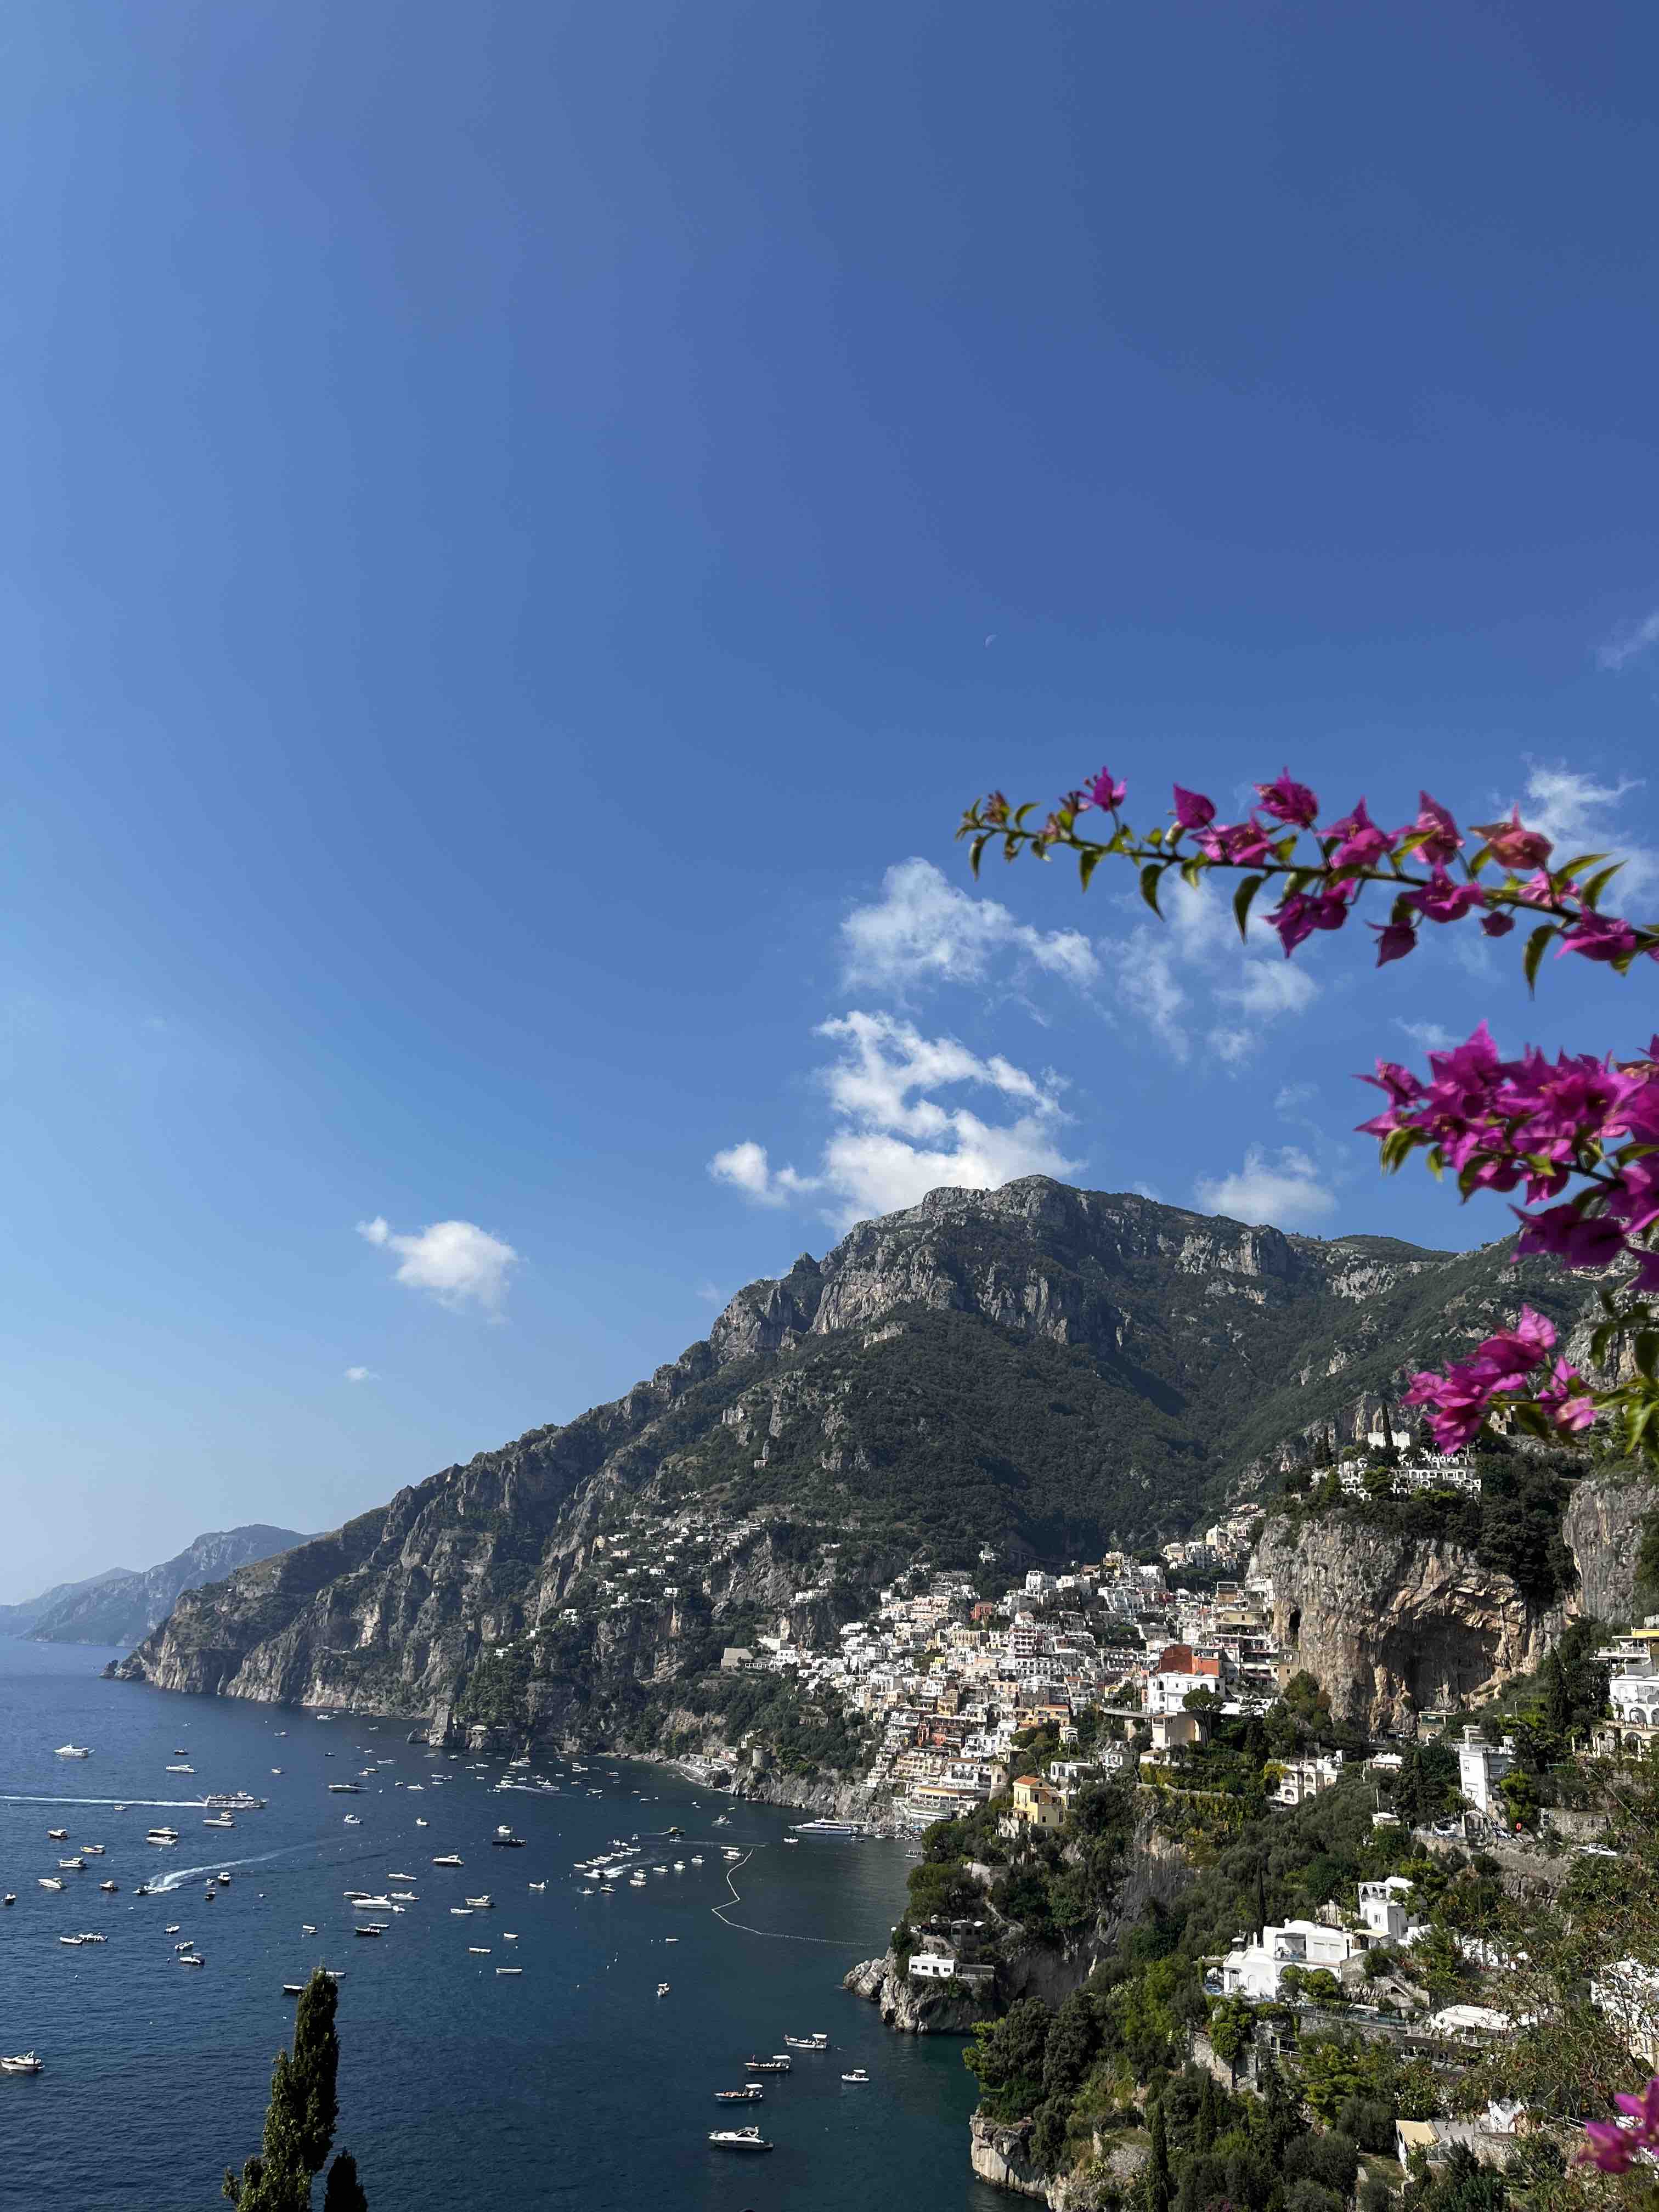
x=571 y=2084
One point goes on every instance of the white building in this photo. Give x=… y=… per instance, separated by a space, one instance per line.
x=1256 y=1968
x=1382 y=1908
x=1480 y=1767
x=1302 y=1779
x=1628 y=1993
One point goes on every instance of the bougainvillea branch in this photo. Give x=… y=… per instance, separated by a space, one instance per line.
x=1577 y=1136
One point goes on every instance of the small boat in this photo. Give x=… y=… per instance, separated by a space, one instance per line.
x=858 y=2074
x=109 y=1887
x=737 y=2139
x=275 y=1770
x=173 y=1930
x=352 y=1821
x=478 y=1950
x=57 y=1835
x=818 y=2041
x=224 y=1880
x=8 y=1898
x=71 y=1866
x=143 y=1890
x=181 y=1770
x=73 y=1751
x=778 y=2062
x=50 y=1881
x=460 y=1912
x=161 y=1836
x=345 y=1788
x=401 y=1877
x=750 y=2093
x=403 y=1897
x=697 y=1859
x=792 y=1839
x=24 y=2063
x=538 y=1885
x=294 y=1989
x=219 y=1820
x=420 y=1824
x=192 y=1959
x=370 y=1927
x=662 y=1989
x=182 y=1947
x=71 y=1939
x=450 y=1858
x=510 y=1969
x=179 y=1751
x=91 y=1850
x=481 y=1904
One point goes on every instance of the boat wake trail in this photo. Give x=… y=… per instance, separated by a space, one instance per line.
x=175 y=1877
x=777 y=1935
x=173 y=1804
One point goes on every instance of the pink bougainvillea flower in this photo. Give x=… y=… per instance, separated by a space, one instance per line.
x=1577 y=1240
x=1105 y=791
x=1539 y=890
x=1567 y=1398
x=1644 y=2110
x=1608 y=2146
x=1362 y=842
x=1394 y=939
x=1298 y=916
x=1439 y=831
x=1498 y=925
x=1599 y=937
x=1512 y=846
x=1442 y=900
x=1192 y=809
x=1243 y=843
x=1286 y=801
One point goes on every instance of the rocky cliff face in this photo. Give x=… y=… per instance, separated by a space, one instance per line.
x=1603 y=1530
x=124 y=1607
x=1046 y=1370
x=1389 y=1626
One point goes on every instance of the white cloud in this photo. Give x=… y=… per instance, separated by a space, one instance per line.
x=1291 y=1095
x=361 y=1375
x=456 y=1261
x=1433 y=1037
x=925 y=929
x=1572 y=811
x=711 y=1296
x=1175 y=977
x=1284 y=1190
x=1625 y=644
x=895 y=1140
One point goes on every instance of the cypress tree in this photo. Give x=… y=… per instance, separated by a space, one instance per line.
x=345 y=2192
x=1159 y=2191
x=1204 y=2123
x=299 y=2119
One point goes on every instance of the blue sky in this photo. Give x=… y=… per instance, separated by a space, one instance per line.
x=523 y=527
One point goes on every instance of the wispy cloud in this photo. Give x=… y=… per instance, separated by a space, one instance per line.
x=361 y=1375
x=1575 y=813
x=925 y=929
x=460 y=1263
x=1283 y=1189
x=1625 y=644
x=1190 y=978
x=1432 y=1036
x=894 y=1139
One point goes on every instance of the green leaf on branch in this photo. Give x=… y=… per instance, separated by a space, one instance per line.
x=976 y=848
x=1191 y=871
x=1598 y=883
x=1562 y=875
x=1646 y=1350
x=1537 y=946
x=1149 y=882
x=1088 y=860
x=1242 y=898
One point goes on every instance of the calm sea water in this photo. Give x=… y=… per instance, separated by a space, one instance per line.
x=571 y=2084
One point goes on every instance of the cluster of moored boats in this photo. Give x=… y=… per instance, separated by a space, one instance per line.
x=753 y=2092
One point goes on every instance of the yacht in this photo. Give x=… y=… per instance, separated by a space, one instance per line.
x=181 y=1770
x=174 y=1930
x=50 y=1881
x=192 y=1959
x=161 y=1836
x=478 y=1950
x=750 y=2093
x=858 y=2074
x=538 y=1885
x=25 y=2062
x=510 y=1969
x=71 y=1866
x=402 y=1877
x=57 y=1835
x=182 y=1947
x=819 y=2041
x=370 y=1927
x=91 y=1850
x=306 y=1928
x=460 y=1912
x=505 y=1841
x=737 y=2139
x=110 y=1887
x=829 y=1827
x=73 y=1751
x=450 y=1858
x=71 y=1939
x=345 y=1788
x=219 y=1820
x=294 y=1989
x=777 y=2063
x=481 y=1904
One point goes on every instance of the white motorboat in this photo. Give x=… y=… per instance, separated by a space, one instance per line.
x=109 y=1887
x=750 y=2093
x=306 y=1928
x=192 y=1959
x=95 y=1939
x=352 y=1821
x=450 y=1858
x=420 y=1824
x=182 y=1947
x=57 y=1835
x=858 y=2074
x=218 y=1820
x=817 y=2041
x=510 y=1969
x=538 y=1885
x=71 y=1939
x=181 y=1770
x=460 y=1912
x=91 y=1850
x=73 y=1751
x=662 y=1989
x=173 y=1930
x=10 y=1898
x=71 y=1866
x=481 y=1904
x=50 y=1881
x=26 y=2062
x=737 y=2139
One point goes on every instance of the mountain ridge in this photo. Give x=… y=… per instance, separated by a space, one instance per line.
x=123 y=1605
x=1040 y=1369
